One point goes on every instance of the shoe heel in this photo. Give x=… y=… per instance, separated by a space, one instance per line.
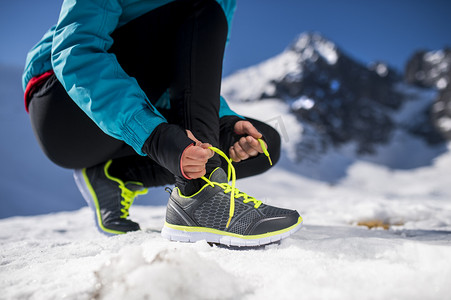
x=83 y=188
x=85 y=192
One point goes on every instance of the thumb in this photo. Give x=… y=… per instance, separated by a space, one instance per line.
x=192 y=137
x=249 y=129
x=206 y=146
x=200 y=144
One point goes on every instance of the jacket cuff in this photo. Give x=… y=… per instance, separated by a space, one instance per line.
x=166 y=145
x=228 y=122
x=139 y=127
x=227 y=132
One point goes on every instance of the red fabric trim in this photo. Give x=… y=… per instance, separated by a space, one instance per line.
x=181 y=168
x=33 y=84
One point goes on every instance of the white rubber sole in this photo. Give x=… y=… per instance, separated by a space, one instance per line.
x=225 y=238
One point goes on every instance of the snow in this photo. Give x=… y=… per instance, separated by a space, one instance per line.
x=382 y=70
x=303 y=102
x=327 y=51
x=444 y=123
x=442 y=83
x=256 y=80
x=434 y=56
x=311 y=43
x=61 y=256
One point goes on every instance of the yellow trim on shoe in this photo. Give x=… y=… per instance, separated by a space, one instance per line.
x=96 y=203
x=225 y=233
x=227 y=188
x=231 y=174
x=128 y=195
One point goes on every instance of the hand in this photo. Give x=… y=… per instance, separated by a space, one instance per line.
x=195 y=157
x=247 y=146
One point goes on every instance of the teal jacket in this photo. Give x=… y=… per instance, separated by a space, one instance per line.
x=76 y=49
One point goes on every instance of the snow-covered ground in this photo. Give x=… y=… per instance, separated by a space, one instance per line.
x=62 y=256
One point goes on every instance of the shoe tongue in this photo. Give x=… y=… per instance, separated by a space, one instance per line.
x=133 y=186
x=218 y=175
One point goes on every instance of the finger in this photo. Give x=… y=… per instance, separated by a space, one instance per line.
x=233 y=155
x=192 y=137
x=194 y=162
x=240 y=152
x=195 y=175
x=193 y=168
x=207 y=146
x=255 y=144
x=246 y=145
x=198 y=153
x=197 y=156
x=249 y=129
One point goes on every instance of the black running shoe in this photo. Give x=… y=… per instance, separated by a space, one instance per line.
x=220 y=213
x=109 y=198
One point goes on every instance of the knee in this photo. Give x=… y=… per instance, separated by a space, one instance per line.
x=211 y=12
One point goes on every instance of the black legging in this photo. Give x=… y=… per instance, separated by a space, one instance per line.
x=156 y=49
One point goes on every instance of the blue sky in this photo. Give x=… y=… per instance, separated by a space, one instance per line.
x=387 y=30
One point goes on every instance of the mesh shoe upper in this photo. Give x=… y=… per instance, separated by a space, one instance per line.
x=111 y=198
x=210 y=208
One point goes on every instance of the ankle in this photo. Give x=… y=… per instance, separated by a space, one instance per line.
x=189 y=187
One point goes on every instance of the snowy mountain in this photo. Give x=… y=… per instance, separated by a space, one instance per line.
x=343 y=107
x=433 y=70
x=395 y=177
x=331 y=111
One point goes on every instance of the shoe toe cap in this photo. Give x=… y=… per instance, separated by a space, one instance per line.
x=275 y=223
x=123 y=225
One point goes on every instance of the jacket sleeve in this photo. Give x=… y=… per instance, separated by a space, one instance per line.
x=93 y=77
x=224 y=109
x=38 y=58
x=229 y=7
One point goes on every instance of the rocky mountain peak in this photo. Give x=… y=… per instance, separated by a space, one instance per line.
x=430 y=69
x=312 y=46
x=338 y=98
x=433 y=70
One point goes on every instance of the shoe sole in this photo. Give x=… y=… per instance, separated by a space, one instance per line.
x=194 y=234
x=86 y=190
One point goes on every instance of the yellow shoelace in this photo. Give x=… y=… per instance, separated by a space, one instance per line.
x=231 y=174
x=129 y=196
